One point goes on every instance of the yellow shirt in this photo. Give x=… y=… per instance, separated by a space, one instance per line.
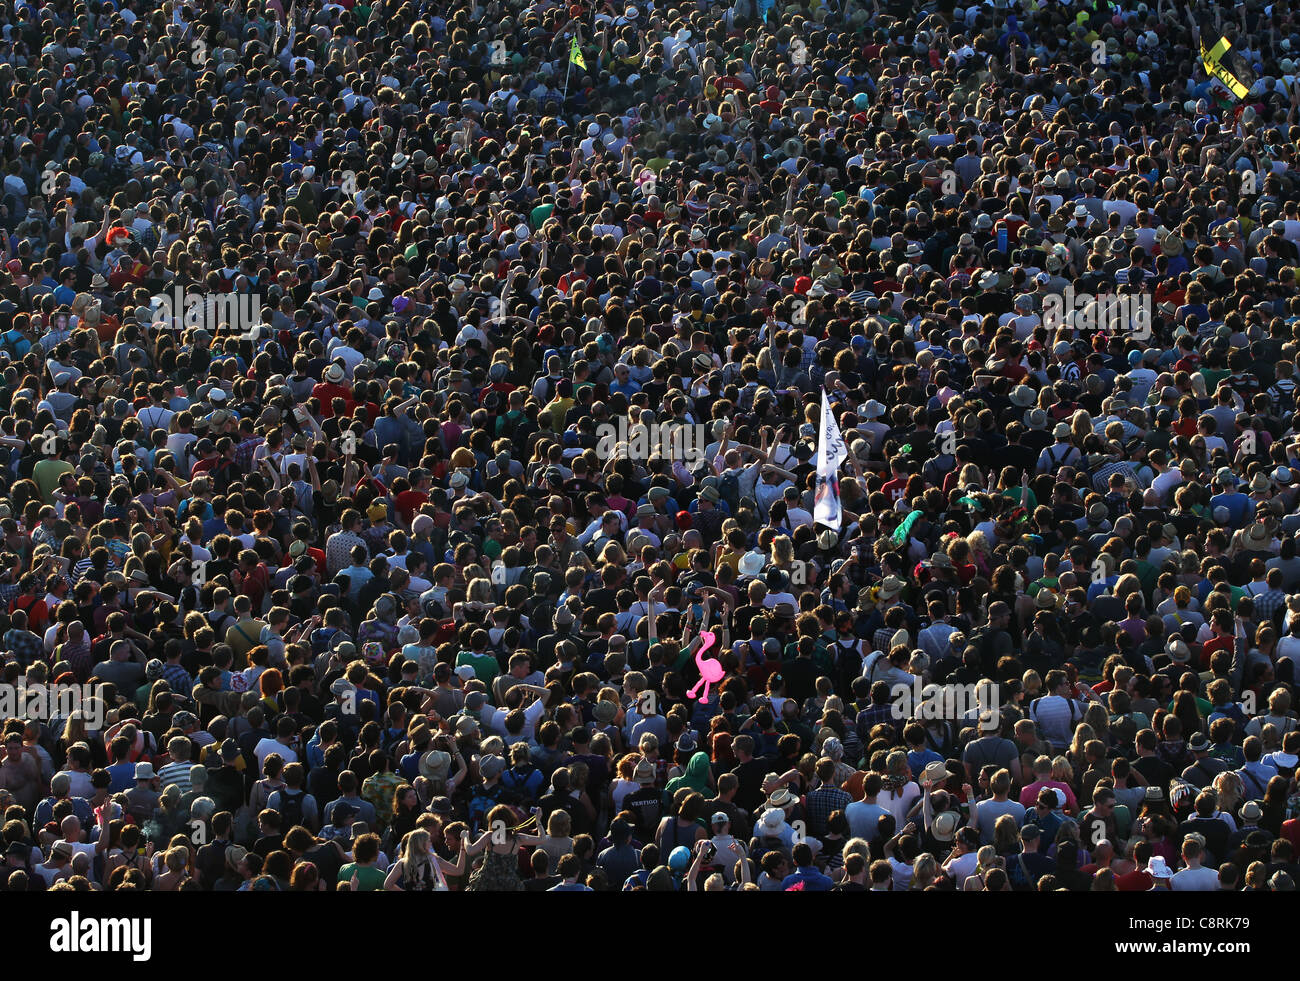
x=730 y=558
x=242 y=637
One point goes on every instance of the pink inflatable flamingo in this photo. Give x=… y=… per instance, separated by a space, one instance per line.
x=710 y=668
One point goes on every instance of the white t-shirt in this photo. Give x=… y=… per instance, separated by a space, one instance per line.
x=902 y=874
x=1195 y=880
x=266 y=747
x=899 y=805
x=79 y=784
x=176 y=444
x=1126 y=210
x=532 y=713
x=962 y=867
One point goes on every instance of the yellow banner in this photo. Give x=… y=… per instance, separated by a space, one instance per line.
x=1211 y=58
x=575 y=53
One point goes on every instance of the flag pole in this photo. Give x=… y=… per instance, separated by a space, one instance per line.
x=577 y=33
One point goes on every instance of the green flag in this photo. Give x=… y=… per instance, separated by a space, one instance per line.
x=575 y=54
x=904 y=529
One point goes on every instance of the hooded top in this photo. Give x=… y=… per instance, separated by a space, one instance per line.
x=696 y=776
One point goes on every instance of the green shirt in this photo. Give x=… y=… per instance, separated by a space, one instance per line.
x=46 y=473
x=1203 y=706
x=539 y=215
x=485 y=665
x=369 y=878
x=1015 y=492
x=1213 y=376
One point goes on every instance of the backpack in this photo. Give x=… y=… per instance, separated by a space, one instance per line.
x=869 y=668
x=1123 y=730
x=516 y=780
x=290 y=807
x=729 y=491
x=936 y=468
x=1065 y=457
x=1018 y=875
x=11 y=341
x=1248 y=775
x=848 y=661
x=482 y=801
x=1033 y=711
x=549 y=386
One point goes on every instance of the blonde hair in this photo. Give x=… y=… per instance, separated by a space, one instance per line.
x=1083 y=734
x=1230 y=789
x=480 y=590
x=782 y=550
x=559 y=824
x=74 y=729
x=613 y=554
x=1080 y=424
x=987 y=857
x=1061 y=769
x=1031 y=681
x=1006 y=833
x=176 y=859
x=415 y=845
x=924 y=870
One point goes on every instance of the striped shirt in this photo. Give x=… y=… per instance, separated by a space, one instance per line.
x=244 y=453
x=175 y=773
x=178 y=678
x=1101 y=478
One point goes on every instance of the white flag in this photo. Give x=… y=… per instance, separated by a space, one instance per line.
x=831 y=452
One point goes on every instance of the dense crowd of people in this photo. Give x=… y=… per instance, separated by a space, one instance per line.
x=409 y=413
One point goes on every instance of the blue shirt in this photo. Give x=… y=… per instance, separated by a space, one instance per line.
x=80 y=807
x=358 y=576
x=570 y=887
x=813 y=881
x=410 y=766
x=864 y=819
x=1239 y=505
x=918 y=758
x=123 y=775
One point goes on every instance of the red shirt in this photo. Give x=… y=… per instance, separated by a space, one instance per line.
x=1139 y=880
x=326 y=392
x=254 y=584
x=894 y=489
x=408 y=502
x=569 y=278
x=38 y=613
x=1014 y=370
x=313 y=551
x=1224 y=643
x=1291 y=832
